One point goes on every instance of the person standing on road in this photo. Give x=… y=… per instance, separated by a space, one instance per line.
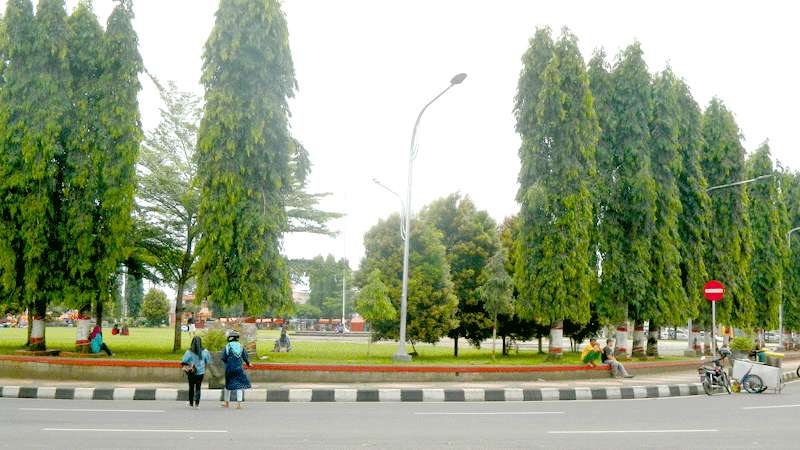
x=194 y=364
x=190 y=324
x=617 y=369
x=234 y=355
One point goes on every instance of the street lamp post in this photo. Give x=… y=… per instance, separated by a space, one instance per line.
x=405 y=226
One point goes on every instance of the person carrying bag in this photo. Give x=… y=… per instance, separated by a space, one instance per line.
x=193 y=364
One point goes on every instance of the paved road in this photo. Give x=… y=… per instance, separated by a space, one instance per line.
x=722 y=421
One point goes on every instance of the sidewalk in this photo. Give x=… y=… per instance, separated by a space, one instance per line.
x=677 y=384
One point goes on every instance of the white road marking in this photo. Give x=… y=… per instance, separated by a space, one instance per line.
x=94 y=410
x=770 y=407
x=630 y=431
x=499 y=413
x=132 y=430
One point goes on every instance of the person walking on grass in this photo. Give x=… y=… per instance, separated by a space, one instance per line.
x=194 y=364
x=616 y=367
x=234 y=355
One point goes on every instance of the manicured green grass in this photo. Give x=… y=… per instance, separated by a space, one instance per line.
x=156 y=343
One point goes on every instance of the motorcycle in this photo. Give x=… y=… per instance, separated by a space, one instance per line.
x=715 y=376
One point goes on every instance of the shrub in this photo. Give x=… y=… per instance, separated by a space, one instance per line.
x=214 y=340
x=742 y=343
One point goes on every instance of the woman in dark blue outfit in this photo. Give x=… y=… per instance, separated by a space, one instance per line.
x=233 y=355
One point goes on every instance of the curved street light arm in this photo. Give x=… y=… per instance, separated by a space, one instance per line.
x=723 y=186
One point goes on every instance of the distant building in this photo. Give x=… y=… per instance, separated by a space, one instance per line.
x=300 y=293
x=203 y=312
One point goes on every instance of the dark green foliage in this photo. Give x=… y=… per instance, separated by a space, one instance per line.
x=155 y=306
x=432 y=306
x=693 y=221
x=325 y=276
x=769 y=225
x=628 y=209
x=373 y=302
x=554 y=267
x=730 y=243
x=469 y=239
x=307 y=312
x=790 y=185
x=667 y=292
x=134 y=293
x=244 y=156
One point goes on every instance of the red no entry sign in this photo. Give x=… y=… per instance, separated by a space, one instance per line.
x=713 y=290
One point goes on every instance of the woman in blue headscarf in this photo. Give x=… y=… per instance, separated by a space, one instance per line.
x=234 y=355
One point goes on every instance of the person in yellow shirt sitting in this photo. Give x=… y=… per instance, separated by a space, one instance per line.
x=591 y=353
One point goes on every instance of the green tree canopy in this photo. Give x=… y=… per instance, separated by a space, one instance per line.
x=554 y=271
x=768 y=221
x=469 y=238
x=244 y=151
x=373 y=302
x=432 y=305
x=155 y=306
x=628 y=215
x=325 y=277
x=729 y=259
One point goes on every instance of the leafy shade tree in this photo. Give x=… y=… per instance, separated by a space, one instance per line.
x=671 y=301
x=768 y=221
x=17 y=97
x=134 y=293
x=432 y=306
x=373 y=302
x=790 y=184
x=469 y=238
x=554 y=271
x=497 y=292
x=325 y=277
x=628 y=216
x=168 y=193
x=42 y=153
x=104 y=146
x=244 y=151
x=513 y=325
x=155 y=306
x=723 y=162
x=307 y=311
x=693 y=221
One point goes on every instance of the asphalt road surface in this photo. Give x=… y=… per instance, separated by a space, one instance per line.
x=721 y=421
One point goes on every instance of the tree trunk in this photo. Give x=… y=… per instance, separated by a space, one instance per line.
x=176 y=343
x=707 y=338
x=554 y=350
x=369 y=341
x=540 y=345
x=99 y=311
x=36 y=325
x=652 y=339
x=695 y=340
x=621 y=344
x=455 y=346
x=28 y=315
x=494 y=337
x=505 y=350
x=638 y=339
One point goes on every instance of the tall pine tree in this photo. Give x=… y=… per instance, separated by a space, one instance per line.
x=16 y=107
x=730 y=237
x=243 y=156
x=667 y=290
x=628 y=218
x=554 y=269
x=693 y=223
x=43 y=158
x=767 y=218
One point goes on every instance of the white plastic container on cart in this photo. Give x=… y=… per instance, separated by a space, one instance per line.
x=770 y=375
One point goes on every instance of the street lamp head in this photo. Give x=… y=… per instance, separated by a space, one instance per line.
x=458 y=78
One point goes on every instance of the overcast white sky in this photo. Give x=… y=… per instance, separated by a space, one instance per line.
x=366 y=67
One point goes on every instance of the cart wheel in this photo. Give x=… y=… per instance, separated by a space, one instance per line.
x=753 y=384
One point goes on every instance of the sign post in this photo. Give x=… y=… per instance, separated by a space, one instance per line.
x=713 y=291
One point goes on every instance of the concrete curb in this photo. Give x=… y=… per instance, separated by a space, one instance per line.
x=362 y=395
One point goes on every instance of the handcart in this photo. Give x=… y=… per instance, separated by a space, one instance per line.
x=771 y=376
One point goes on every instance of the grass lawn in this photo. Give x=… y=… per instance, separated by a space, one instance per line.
x=156 y=343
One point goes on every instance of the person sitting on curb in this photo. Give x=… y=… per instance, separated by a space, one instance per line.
x=591 y=353
x=617 y=369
